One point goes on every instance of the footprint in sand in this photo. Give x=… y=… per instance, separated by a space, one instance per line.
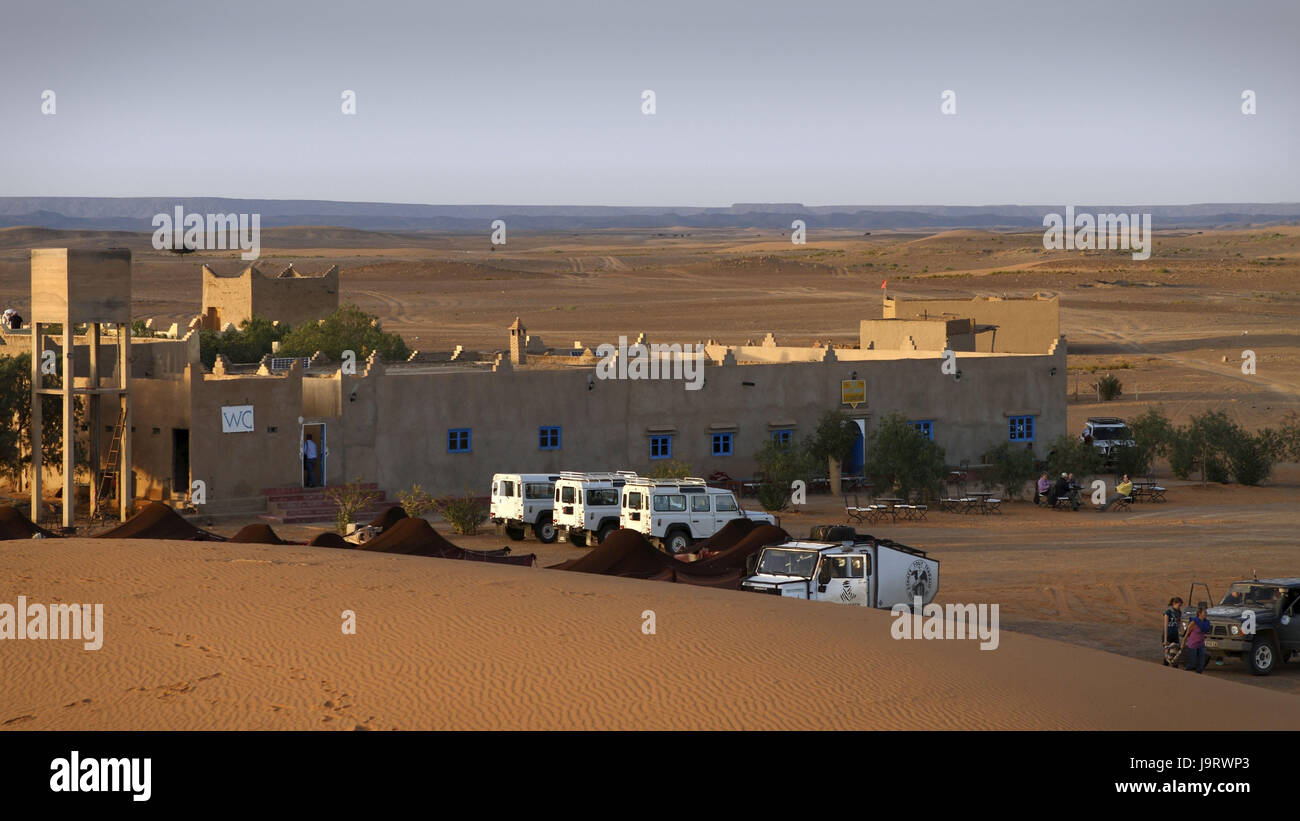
x=17 y=719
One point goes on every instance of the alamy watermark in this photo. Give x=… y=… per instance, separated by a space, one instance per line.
x=654 y=361
x=951 y=621
x=78 y=622
x=208 y=232
x=1103 y=232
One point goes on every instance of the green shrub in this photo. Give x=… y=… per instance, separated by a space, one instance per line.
x=416 y=502
x=1108 y=387
x=780 y=465
x=1251 y=457
x=670 y=469
x=347 y=329
x=1013 y=466
x=1068 y=454
x=463 y=513
x=349 y=499
x=905 y=459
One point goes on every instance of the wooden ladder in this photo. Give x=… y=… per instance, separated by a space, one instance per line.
x=111 y=466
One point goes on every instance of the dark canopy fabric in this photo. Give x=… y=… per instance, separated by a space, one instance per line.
x=14 y=525
x=258 y=534
x=330 y=540
x=389 y=517
x=158 y=521
x=628 y=553
x=416 y=537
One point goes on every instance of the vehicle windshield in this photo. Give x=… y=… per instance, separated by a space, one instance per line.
x=1245 y=594
x=784 y=562
x=1112 y=433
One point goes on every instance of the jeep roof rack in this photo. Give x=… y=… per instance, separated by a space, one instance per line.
x=647 y=481
x=863 y=539
x=1104 y=420
x=596 y=476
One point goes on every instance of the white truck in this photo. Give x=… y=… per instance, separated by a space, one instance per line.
x=846 y=567
x=675 y=513
x=523 y=500
x=587 y=505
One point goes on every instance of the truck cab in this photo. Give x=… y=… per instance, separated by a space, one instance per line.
x=675 y=513
x=587 y=505
x=521 y=501
x=859 y=570
x=1272 y=607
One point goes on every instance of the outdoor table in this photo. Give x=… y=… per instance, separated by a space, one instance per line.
x=980 y=498
x=889 y=502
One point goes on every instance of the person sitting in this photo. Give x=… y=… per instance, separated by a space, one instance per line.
x=1123 y=491
x=1044 y=487
x=1060 y=490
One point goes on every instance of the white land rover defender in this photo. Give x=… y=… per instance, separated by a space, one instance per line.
x=675 y=513
x=587 y=505
x=845 y=567
x=523 y=500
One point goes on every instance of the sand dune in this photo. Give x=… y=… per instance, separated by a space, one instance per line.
x=221 y=635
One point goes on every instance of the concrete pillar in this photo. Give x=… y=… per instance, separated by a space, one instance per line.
x=69 y=425
x=36 y=443
x=125 y=490
x=93 y=415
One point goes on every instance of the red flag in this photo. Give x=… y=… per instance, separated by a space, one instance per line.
x=882 y=283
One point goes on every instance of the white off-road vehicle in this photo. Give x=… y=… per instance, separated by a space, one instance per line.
x=846 y=567
x=521 y=501
x=675 y=513
x=1107 y=434
x=587 y=505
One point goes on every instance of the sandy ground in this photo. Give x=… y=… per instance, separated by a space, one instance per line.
x=499 y=654
x=211 y=635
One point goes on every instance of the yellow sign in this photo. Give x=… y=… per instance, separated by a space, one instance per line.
x=853 y=392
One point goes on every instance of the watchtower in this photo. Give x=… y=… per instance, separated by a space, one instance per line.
x=73 y=287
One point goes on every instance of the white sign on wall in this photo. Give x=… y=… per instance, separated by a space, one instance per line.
x=237 y=419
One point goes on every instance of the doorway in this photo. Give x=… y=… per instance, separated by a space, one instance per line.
x=858 y=453
x=313 y=469
x=181 y=461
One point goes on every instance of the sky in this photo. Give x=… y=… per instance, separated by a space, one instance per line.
x=541 y=103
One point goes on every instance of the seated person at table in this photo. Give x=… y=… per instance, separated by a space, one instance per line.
x=1043 y=488
x=1124 y=490
x=1060 y=490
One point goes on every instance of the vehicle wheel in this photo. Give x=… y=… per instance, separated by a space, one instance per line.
x=544 y=530
x=679 y=541
x=578 y=538
x=516 y=534
x=1263 y=655
x=604 y=533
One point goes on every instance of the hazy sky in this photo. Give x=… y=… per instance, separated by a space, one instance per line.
x=540 y=103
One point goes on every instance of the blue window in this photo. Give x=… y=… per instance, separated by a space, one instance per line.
x=458 y=440
x=661 y=447
x=1021 y=428
x=548 y=437
x=782 y=437
x=925 y=426
x=722 y=444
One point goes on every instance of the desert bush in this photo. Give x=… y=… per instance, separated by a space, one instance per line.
x=347 y=329
x=1152 y=436
x=1108 y=387
x=251 y=341
x=905 y=459
x=1203 y=446
x=1251 y=457
x=464 y=513
x=670 y=469
x=349 y=499
x=416 y=501
x=1067 y=454
x=780 y=466
x=1012 y=467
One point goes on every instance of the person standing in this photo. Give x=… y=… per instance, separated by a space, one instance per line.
x=310 y=455
x=1194 y=640
x=1173 y=622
